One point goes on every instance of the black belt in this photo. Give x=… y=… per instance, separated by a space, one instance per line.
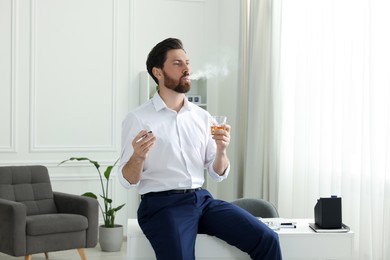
x=168 y=192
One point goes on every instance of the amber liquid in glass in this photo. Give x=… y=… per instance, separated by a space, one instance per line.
x=216 y=127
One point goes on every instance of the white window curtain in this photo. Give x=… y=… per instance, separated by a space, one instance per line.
x=259 y=76
x=323 y=113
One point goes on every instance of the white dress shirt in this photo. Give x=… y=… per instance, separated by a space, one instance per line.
x=183 y=148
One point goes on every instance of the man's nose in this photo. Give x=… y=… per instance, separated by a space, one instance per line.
x=186 y=69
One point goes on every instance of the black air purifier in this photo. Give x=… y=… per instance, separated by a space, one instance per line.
x=327 y=213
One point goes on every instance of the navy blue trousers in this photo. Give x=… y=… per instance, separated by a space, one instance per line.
x=172 y=221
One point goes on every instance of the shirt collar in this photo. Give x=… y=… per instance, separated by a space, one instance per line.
x=159 y=104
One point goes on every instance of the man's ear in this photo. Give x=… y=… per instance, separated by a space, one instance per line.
x=157 y=73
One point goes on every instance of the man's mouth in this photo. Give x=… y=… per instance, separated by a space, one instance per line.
x=186 y=78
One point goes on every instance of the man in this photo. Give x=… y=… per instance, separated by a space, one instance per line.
x=167 y=166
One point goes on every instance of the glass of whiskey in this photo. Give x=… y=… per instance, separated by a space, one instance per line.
x=217 y=123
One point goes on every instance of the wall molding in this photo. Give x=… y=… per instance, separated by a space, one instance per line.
x=186 y=0
x=34 y=146
x=54 y=163
x=12 y=146
x=88 y=176
x=74 y=148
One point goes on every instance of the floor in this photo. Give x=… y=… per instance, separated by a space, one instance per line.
x=91 y=254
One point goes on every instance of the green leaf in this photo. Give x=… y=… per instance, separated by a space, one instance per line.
x=119 y=207
x=89 y=194
x=110 y=212
x=82 y=159
x=108 y=200
x=107 y=172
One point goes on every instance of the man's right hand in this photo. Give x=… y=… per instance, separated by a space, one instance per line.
x=142 y=143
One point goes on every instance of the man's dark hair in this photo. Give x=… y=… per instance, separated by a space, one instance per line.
x=158 y=55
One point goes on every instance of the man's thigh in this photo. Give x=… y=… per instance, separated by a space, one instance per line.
x=235 y=226
x=170 y=223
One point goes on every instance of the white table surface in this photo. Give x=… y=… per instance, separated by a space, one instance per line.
x=304 y=243
x=300 y=243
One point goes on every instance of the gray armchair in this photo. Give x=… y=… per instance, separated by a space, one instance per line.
x=257 y=207
x=34 y=219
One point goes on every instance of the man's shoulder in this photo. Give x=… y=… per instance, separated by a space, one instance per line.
x=145 y=106
x=140 y=111
x=199 y=110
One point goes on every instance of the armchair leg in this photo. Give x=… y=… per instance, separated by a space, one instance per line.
x=82 y=253
x=80 y=250
x=29 y=257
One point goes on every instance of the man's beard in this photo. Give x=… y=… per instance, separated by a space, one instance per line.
x=177 y=85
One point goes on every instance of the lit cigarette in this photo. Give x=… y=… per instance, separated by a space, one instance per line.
x=142 y=137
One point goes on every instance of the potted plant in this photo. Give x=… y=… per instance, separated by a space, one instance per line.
x=110 y=234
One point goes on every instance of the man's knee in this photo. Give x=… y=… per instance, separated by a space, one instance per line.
x=268 y=247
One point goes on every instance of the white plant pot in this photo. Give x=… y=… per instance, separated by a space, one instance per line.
x=110 y=239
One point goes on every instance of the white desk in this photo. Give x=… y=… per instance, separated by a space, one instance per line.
x=299 y=243
x=303 y=243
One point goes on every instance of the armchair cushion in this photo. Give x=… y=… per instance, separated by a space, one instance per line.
x=24 y=185
x=55 y=223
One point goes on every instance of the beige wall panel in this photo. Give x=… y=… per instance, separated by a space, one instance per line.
x=73 y=75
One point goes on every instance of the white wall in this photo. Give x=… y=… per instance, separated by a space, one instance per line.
x=64 y=71
x=69 y=73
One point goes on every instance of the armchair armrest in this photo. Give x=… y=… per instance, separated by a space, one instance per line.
x=12 y=227
x=76 y=204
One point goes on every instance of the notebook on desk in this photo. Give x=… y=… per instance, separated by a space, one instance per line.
x=318 y=229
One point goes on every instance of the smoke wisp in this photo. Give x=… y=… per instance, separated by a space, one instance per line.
x=209 y=71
